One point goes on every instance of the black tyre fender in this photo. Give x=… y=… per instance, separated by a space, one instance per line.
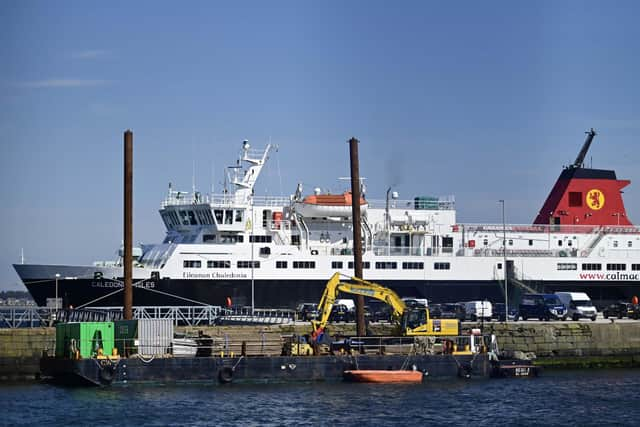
x=225 y=375
x=106 y=374
x=464 y=371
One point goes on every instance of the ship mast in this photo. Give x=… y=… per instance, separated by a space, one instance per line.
x=585 y=147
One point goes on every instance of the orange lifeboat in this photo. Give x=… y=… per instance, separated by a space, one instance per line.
x=328 y=205
x=382 y=376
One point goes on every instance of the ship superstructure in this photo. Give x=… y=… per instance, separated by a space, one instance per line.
x=277 y=252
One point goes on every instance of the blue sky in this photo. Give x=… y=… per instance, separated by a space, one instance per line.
x=482 y=100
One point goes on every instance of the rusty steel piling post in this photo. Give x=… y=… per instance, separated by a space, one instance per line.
x=128 y=224
x=357 y=232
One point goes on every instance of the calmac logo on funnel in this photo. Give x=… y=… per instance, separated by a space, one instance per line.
x=595 y=199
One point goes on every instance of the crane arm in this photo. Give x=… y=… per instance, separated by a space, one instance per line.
x=358 y=287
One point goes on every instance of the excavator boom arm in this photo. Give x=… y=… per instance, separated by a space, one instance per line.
x=359 y=287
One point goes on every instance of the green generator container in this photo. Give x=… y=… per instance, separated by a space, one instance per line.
x=86 y=337
x=126 y=332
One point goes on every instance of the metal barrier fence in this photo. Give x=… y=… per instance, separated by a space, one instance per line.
x=33 y=317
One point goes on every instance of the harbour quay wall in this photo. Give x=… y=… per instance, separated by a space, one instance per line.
x=555 y=344
x=21 y=349
x=572 y=344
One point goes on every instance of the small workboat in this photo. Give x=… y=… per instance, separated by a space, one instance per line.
x=382 y=376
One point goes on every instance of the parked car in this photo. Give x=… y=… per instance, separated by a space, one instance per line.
x=413 y=302
x=499 y=312
x=380 y=311
x=622 y=309
x=449 y=311
x=340 y=313
x=542 y=306
x=307 y=311
x=578 y=305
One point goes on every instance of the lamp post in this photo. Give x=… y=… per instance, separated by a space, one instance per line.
x=57 y=277
x=504 y=265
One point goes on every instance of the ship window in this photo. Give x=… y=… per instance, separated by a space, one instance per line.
x=413 y=265
x=219 y=264
x=336 y=264
x=575 y=198
x=238 y=217
x=569 y=243
x=295 y=240
x=510 y=242
x=615 y=243
x=231 y=238
x=208 y=238
x=208 y=212
x=259 y=239
x=567 y=266
x=365 y=265
x=228 y=216
x=185 y=219
x=441 y=266
x=248 y=264
x=386 y=265
x=192 y=218
x=281 y=264
x=616 y=267
x=635 y=267
x=591 y=267
x=629 y=244
x=530 y=242
x=304 y=264
x=218 y=214
x=201 y=219
x=559 y=242
x=485 y=242
x=499 y=266
x=266 y=250
x=191 y=263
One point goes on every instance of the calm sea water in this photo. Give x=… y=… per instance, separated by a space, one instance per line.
x=562 y=398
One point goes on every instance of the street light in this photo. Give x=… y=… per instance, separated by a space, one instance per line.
x=57 y=277
x=504 y=265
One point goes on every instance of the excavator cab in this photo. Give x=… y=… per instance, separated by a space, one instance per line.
x=412 y=318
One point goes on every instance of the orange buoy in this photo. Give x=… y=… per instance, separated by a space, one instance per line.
x=229 y=302
x=634 y=300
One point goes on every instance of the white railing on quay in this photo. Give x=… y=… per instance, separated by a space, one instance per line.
x=202 y=315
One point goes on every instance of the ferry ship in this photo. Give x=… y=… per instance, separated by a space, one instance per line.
x=275 y=252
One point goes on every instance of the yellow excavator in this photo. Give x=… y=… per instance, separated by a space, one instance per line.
x=411 y=321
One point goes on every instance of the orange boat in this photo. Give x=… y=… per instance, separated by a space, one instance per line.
x=382 y=376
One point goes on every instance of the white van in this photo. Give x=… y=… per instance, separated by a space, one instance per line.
x=476 y=310
x=578 y=305
x=349 y=303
